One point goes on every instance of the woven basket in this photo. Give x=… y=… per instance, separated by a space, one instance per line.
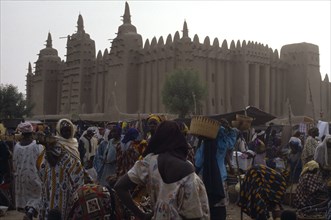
x=203 y=126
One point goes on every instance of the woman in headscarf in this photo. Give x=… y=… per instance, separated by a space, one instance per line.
x=60 y=170
x=311 y=185
x=176 y=191
x=126 y=153
x=322 y=209
x=27 y=182
x=152 y=122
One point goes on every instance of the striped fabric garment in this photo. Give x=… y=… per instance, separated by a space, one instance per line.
x=59 y=183
x=261 y=190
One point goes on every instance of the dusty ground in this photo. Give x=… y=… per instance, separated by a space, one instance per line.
x=12 y=215
x=232 y=209
x=233 y=213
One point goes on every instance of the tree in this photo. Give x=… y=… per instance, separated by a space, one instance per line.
x=13 y=103
x=182 y=92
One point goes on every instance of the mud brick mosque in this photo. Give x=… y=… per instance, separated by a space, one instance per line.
x=128 y=78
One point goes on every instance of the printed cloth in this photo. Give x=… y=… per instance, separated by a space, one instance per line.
x=310 y=183
x=91 y=201
x=261 y=190
x=308 y=150
x=126 y=156
x=59 y=182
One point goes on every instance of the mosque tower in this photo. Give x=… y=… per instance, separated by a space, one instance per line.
x=325 y=112
x=29 y=84
x=122 y=80
x=302 y=62
x=43 y=94
x=76 y=86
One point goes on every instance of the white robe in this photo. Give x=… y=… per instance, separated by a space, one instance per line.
x=28 y=184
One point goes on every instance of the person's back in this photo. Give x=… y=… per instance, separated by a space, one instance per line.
x=262 y=191
x=27 y=182
x=174 y=188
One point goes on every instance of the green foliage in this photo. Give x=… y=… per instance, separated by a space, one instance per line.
x=182 y=92
x=12 y=103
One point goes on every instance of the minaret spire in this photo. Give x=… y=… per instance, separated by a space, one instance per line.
x=29 y=68
x=49 y=40
x=80 y=24
x=127 y=15
x=185 y=30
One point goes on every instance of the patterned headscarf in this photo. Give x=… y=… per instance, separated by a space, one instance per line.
x=25 y=127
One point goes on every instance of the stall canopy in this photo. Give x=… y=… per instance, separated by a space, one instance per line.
x=260 y=117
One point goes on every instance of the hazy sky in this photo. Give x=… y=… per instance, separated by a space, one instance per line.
x=25 y=25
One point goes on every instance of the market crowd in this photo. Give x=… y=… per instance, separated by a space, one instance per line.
x=157 y=169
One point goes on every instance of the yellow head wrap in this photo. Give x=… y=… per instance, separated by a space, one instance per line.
x=124 y=124
x=310 y=166
x=154 y=117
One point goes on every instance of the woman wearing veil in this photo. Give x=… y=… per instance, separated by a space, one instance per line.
x=60 y=170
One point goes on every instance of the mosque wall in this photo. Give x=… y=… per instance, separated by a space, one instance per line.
x=129 y=78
